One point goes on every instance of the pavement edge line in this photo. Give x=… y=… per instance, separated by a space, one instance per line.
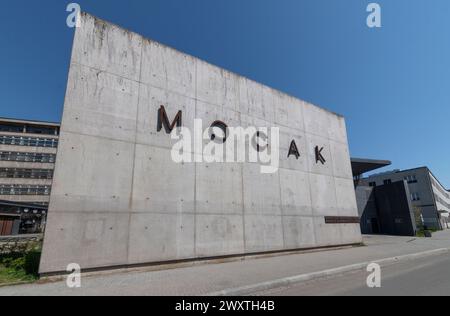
x=284 y=282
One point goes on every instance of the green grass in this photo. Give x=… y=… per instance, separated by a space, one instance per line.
x=19 y=267
x=421 y=233
x=11 y=275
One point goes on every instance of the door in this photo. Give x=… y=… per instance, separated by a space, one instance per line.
x=6 y=226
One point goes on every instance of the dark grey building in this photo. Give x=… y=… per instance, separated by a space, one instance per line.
x=430 y=200
x=383 y=209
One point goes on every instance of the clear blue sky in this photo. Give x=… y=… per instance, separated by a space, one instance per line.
x=392 y=84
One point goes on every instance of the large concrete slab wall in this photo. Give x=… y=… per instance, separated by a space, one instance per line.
x=118 y=198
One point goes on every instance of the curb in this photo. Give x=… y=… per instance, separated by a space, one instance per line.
x=16 y=283
x=289 y=281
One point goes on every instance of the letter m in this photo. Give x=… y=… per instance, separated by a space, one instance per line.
x=163 y=120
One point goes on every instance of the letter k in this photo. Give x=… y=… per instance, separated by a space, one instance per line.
x=319 y=157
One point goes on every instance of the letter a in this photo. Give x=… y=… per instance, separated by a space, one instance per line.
x=374 y=18
x=293 y=150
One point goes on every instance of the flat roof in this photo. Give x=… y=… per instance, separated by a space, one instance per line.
x=413 y=169
x=31 y=122
x=363 y=165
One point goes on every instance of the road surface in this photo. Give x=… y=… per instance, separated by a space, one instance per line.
x=193 y=279
x=425 y=277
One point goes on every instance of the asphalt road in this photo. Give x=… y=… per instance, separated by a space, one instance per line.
x=426 y=277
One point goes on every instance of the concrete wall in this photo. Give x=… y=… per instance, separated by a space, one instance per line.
x=118 y=199
x=367 y=208
x=395 y=212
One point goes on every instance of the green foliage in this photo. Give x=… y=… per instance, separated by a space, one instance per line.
x=23 y=265
x=14 y=263
x=421 y=233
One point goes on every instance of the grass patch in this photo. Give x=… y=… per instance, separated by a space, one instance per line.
x=10 y=275
x=421 y=233
x=17 y=267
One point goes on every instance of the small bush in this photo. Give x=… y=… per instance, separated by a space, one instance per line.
x=17 y=264
x=425 y=233
x=11 y=260
x=27 y=262
x=19 y=261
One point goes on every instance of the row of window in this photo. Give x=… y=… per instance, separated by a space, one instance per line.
x=415 y=197
x=18 y=128
x=7 y=189
x=27 y=157
x=440 y=200
x=28 y=141
x=374 y=184
x=20 y=173
x=440 y=189
x=411 y=179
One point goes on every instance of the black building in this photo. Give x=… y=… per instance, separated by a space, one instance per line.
x=384 y=209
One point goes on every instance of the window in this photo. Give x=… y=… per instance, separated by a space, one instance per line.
x=439 y=188
x=444 y=203
x=28 y=141
x=372 y=184
x=19 y=173
x=16 y=189
x=411 y=179
x=387 y=181
x=11 y=128
x=28 y=128
x=27 y=157
x=42 y=130
x=415 y=197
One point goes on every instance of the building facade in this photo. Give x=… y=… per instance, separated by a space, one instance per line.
x=27 y=159
x=430 y=200
x=386 y=209
x=119 y=198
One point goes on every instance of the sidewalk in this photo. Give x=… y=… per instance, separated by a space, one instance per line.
x=210 y=278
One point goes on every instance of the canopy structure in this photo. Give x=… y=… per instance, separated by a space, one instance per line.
x=361 y=166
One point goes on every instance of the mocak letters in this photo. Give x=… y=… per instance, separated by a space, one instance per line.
x=163 y=121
